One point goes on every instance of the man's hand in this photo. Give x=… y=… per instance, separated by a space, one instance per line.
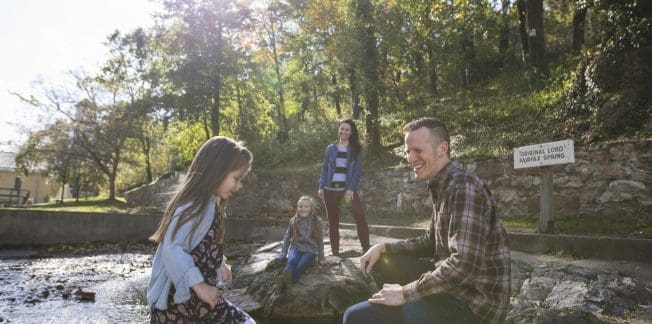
x=390 y=295
x=207 y=293
x=370 y=258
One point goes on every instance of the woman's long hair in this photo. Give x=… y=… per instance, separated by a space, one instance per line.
x=214 y=160
x=354 y=140
x=294 y=221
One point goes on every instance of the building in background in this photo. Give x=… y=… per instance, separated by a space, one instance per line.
x=19 y=190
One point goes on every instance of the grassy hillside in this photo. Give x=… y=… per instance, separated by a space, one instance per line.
x=517 y=107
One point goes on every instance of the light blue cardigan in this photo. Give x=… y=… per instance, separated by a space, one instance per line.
x=353 y=168
x=173 y=263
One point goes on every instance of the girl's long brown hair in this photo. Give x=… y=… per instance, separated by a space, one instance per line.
x=214 y=160
x=313 y=220
x=354 y=140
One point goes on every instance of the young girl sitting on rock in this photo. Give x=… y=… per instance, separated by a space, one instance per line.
x=304 y=238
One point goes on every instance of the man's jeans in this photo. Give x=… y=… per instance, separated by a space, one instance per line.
x=298 y=262
x=401 y=269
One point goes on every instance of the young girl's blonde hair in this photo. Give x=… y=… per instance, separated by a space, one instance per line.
x=214 y=160
x=312 y=215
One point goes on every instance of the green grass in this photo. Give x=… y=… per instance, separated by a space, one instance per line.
x=520 y=225
x=563 y=254
x=636 y=228
x=312 y=168
x=633 y=228
x=99 y=204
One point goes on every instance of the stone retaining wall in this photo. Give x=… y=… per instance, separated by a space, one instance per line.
x=607 y=181
x=34 y=227
x=37 y=227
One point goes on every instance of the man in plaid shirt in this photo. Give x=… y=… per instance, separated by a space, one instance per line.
x=470 y=281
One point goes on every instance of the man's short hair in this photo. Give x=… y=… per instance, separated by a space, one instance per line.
x=437 y=129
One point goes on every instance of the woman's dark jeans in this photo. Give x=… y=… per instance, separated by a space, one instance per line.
x=401 y=269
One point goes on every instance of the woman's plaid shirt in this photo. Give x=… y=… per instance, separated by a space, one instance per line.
x=469 y=243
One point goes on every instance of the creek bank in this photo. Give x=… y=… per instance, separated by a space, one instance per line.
x=546 y=288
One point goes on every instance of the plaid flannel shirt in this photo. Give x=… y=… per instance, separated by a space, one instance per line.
x=469 y=243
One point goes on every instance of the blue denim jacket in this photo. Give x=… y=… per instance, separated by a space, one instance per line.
x=353 y=168
x=173 y=264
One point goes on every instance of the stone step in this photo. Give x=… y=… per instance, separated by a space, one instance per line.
x=580 y=246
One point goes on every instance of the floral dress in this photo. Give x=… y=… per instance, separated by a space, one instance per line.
x=208 y=258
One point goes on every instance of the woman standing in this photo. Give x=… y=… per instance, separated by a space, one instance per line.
x=340 y=176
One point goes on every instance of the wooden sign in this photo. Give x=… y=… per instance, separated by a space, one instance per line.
x=543 y=154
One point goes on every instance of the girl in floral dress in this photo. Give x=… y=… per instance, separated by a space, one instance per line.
x=189 y=266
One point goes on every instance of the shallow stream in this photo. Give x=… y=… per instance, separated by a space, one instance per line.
x=40 y=286
x=41 y=289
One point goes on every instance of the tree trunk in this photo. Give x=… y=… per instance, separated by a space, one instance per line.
x=315 y=97
x=78 y=188
x=422 y=67
x=522 y=29
x=215 y=109
x=579 y=20
x=305 y=102
x=114 y=172
x=355 y=96
x=468 y=52
x=63 y=191
x=397 y=85
x=207 y=130
x=336 y=95
x=369 y=68
x=282 y=133
x=217 y=87
x=241 y=111
x=112 y=187
x=147 y=144
x=432 y=71
x=503 y=43
x=536 y=35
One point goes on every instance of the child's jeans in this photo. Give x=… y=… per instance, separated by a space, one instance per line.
x=298 y=262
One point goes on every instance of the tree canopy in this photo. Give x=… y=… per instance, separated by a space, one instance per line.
x=280 y=73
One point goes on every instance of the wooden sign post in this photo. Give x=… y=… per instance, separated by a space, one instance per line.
x=543 y=155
